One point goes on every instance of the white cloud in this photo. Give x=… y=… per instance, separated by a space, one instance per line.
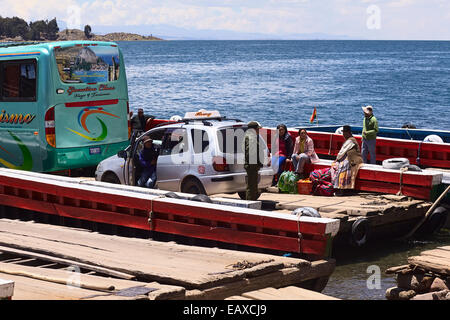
x=400 y=18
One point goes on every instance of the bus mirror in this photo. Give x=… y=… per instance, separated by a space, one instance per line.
x=122 y=154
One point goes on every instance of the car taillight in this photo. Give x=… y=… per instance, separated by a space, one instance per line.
x=129 y=120
x=220 y=164
x=50 y=127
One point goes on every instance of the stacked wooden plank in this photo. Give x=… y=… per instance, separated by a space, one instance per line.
x=164 y=270
x=420 y=185
x=124 y=206
x=286 y=293
x=425 y=277
x=6 y=289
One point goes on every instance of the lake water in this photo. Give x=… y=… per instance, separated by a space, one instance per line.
x=281 y=82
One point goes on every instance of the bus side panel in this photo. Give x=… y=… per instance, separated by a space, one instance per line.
x=19 y=146
x=91 y=123
x=20 y=135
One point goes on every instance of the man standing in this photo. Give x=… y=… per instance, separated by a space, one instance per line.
x=369 y=135
x=254 y=157
x=147 y=159
x=139 y=121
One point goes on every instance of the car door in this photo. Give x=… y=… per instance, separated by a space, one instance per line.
x=174 y=159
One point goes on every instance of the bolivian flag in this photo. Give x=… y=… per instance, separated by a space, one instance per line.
x=313 y=116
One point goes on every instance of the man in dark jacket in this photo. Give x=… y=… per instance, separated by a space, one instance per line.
x=139 y=121
x=254 y=157
x=147 y=159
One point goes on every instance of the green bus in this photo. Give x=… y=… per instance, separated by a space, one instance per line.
x=63 y=105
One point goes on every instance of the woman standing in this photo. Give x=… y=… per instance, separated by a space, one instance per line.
x=348 y=161
x=303 y=152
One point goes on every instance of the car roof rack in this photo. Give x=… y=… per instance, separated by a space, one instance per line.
x=205 y=121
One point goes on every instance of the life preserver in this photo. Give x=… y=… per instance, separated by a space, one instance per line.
x=360 y=232
x=395 y=163
x=306 y=212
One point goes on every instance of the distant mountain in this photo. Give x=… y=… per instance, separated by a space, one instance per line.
x=169 y=32
x=75 y=34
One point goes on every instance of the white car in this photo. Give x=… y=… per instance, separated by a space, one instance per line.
x=200 y=155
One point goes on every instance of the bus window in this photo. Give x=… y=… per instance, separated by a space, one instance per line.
x=18 y=81
x=88 y=64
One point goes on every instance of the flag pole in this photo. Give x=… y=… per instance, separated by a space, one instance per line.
x=317 y=118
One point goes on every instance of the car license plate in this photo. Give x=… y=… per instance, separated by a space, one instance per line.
x=95 y=150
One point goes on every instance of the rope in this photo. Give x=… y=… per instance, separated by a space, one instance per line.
x=300 y=236
x=402 y=170
x=418 y=154
x=331 y=139
x=151 y=213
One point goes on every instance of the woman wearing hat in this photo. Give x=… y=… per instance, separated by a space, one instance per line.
x=369 y=135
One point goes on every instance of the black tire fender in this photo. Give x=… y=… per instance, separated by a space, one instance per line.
x=201 y=198
x=172 y=195
x=360 y=232
x=435 y=221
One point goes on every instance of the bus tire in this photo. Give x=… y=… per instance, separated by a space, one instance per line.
x=110 y=177
x=360 y=232
x=395 y=163
x=434 y=222
x=201 y=198
x=192 y=185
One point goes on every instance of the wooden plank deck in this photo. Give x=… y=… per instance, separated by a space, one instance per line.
x=207 y=273
x=437 y=260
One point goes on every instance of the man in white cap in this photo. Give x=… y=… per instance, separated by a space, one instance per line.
x=369 y=135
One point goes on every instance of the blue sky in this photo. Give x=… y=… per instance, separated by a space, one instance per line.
x=361 y=19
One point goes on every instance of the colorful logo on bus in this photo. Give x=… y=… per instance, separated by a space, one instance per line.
x=27 y=163
x=82 y=117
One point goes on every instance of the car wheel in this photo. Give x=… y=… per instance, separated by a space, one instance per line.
x=111 y=178
x=243 y=195
x=192 y=186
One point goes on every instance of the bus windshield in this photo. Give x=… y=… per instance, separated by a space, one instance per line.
x=88 y=64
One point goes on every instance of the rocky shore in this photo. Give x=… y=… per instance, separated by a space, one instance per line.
x=75 y=34
x=426 y=277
